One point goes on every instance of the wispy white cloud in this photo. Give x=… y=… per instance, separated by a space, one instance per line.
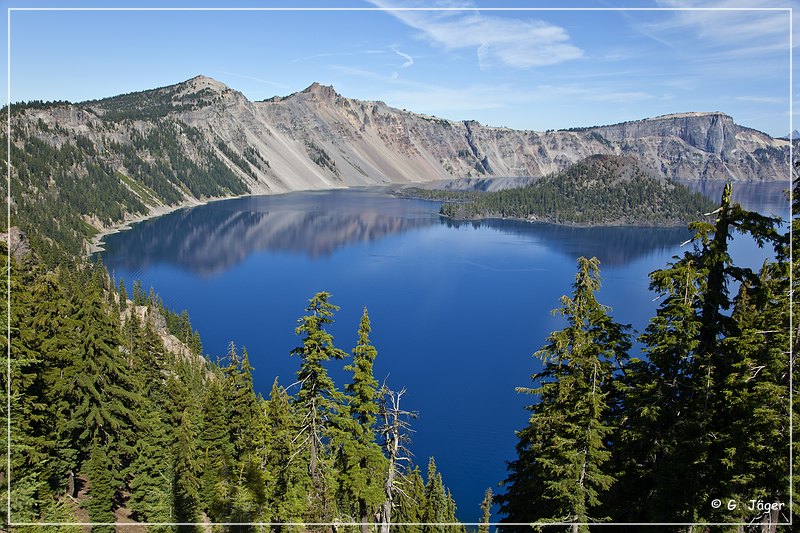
x=370 y=52
x=408 y=59
x=496 y=40
x=741 y=28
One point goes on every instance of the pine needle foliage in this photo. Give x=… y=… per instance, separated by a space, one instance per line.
x=562 y=470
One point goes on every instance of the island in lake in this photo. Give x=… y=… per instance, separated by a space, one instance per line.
x=601 y=190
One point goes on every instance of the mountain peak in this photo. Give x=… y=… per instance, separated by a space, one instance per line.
x=201 y=82
x=326 y=91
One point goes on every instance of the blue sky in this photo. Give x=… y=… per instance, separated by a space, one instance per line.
x=523 y=69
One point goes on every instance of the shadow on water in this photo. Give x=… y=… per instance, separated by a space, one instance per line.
x=613 y=246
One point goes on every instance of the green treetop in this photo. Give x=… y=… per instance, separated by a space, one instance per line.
x=361 y=460
x=561 y=471
x=318 y=401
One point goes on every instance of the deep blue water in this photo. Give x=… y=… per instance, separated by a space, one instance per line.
x=457 y=309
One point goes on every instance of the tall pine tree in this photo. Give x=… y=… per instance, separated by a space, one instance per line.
x=361 y=460
x=561 y=470
x=288 y=486
x=318 y=402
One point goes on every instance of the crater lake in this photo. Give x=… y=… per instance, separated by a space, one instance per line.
x=457 y=308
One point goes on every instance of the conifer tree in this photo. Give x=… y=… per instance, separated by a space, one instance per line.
x=650 y=445
x=486 y=511
x=151 y=472
x=216 y=454
x=439 y=507
x=185 y=325
x=196 y=344
x=288 y=487
x=364 y=388
x=31 y=435
x=318 y=402
x=435 y=509
x=103 y=391
x=759 y=386
x=361 y=460
x=102 y=488
x=123 y=295
x=241 y=401
x=151 y=486
x=186 y=482
x=99 y=275
x=48 y=328
x=138 y=293
x=561 y=471
x=678 y=447
x=247 y=495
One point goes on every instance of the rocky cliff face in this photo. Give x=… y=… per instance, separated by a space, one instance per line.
x=701 y=145
x=175 y=142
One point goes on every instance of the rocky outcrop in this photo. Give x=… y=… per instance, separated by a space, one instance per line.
x=18 y=245
x=701 y=145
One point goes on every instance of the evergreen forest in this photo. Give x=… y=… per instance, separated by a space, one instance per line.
x=692 y=429
x=599 y=190
x=67 y=185
x=117 y=417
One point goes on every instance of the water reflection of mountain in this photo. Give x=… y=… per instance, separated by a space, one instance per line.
x=614 y=246
x=209 y=239
x=212 y=238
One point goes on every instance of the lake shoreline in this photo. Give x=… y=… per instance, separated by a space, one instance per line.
x=97 y=242
x=615 y=224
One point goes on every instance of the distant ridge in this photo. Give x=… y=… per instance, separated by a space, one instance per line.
x=148 y=151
